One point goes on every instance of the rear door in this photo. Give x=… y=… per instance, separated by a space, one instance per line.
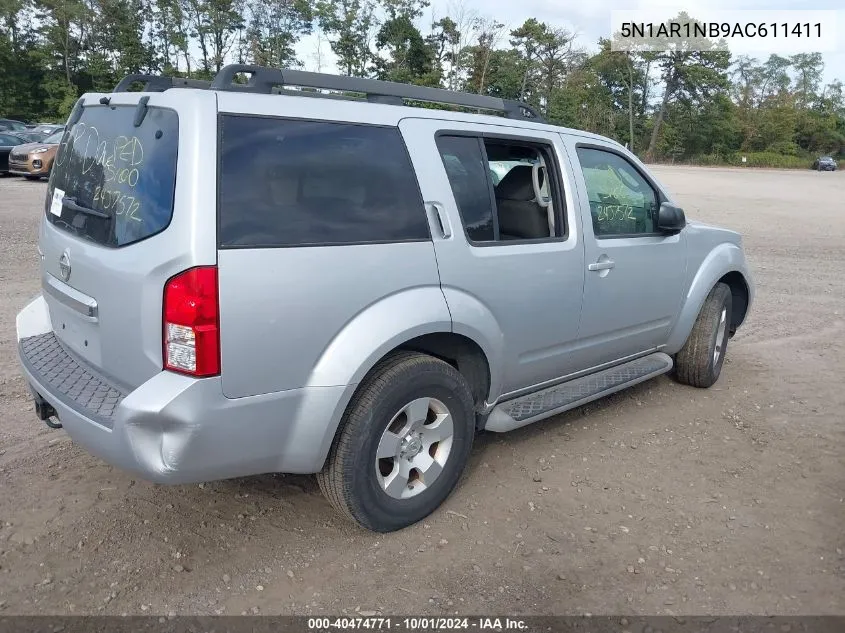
x=500 y=250
x=130 y=203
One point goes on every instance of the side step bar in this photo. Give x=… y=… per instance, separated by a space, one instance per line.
x=532 y=407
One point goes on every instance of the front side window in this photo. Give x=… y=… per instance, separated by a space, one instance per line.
x=287 y=182
x=622 y=202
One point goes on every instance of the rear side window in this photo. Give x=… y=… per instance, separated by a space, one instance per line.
x=505 y=189
x=296 y=183
x=467 y=172
x=112 y=183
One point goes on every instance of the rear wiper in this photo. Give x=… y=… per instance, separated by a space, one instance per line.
x=75 y=230
x=67 y=225
x=71 y=204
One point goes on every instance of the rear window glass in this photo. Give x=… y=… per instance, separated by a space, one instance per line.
x=112 y=183
x=292 y=183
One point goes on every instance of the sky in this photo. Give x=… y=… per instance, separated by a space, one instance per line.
x=591 y=20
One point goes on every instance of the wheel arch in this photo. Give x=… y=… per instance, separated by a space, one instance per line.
x=725 y=263
x=462 y=353
x=390 y=325
x=739 y=297
x=459 y=351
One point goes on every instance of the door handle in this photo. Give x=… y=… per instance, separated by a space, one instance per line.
x=437 y=214
x=603 y=265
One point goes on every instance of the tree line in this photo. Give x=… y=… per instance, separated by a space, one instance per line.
x=681 y=105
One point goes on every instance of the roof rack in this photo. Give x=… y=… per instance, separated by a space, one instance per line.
x=159 y=83
x=263 y=80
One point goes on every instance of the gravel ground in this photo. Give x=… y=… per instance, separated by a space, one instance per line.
x=662 y=499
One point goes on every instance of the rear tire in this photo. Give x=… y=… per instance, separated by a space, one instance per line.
x=700 y=360
x=403 y=444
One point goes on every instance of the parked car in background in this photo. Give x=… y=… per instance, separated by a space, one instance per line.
x=46 y=129
x=824 y=163
x=34 y=160
x=11 y=125
x=7 y=143
x=31 y=137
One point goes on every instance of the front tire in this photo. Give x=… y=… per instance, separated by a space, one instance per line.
x=404 y=442
x=700 y=360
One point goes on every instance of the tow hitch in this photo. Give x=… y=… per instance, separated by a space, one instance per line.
x=45 y=411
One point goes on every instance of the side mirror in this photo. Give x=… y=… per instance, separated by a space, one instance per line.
x=670 y=219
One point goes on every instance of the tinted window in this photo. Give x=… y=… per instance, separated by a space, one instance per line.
x=289 y=183
x=8 y=124
x=467 y=172
x=117 y=180
x=9 y=140
x=622 y=202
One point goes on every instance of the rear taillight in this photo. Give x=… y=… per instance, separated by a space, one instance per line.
x=192 y=323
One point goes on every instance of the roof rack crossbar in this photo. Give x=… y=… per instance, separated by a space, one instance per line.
x=264 y=80
x=159 y=83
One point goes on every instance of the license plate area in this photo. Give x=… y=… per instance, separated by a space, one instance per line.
x=76 y=332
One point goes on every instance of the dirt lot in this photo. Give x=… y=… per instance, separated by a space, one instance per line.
x=661 y=499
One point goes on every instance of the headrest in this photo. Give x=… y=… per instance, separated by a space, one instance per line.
x=517 y=184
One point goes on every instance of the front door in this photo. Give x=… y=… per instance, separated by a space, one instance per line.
x=635 y=275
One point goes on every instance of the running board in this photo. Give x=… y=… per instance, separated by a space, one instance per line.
x=532 y=407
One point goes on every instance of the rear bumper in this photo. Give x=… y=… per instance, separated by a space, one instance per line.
x=173 y=428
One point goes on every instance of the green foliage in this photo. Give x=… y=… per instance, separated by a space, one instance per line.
x=409 y=58
x=548 y=55
x=275 y=27
x=348 y=23
x=691 y=75
x=754 y=159
x=480 y=57
x=808 y=69
x=682 y=105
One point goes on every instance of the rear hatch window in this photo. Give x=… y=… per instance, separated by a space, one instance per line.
x=113 y=182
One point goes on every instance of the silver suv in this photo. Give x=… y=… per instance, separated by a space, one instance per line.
x=263 y=276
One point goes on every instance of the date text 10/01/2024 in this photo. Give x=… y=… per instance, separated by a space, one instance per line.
x=417 y=623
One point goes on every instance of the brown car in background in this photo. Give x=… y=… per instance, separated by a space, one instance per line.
x=35 y=160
